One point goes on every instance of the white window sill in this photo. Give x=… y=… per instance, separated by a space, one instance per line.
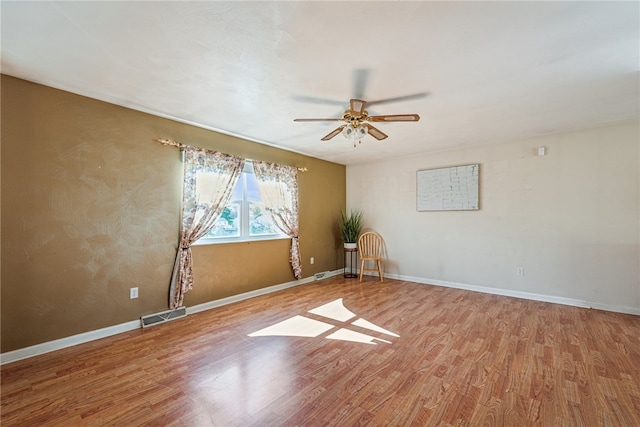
x=214 y=241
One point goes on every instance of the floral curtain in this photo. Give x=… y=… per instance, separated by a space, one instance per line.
x=209 y=180
x=278 y=186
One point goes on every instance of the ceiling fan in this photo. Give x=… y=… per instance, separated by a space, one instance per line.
x=357 y=122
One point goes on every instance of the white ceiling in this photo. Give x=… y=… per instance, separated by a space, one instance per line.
x=493 y=71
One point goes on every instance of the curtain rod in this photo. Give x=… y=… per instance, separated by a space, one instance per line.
x=172 y=143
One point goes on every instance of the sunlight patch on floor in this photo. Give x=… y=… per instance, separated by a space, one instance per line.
x=348 y=335
x=296 y=326
x=368 y=325
x=300 y=326
x=334 y=310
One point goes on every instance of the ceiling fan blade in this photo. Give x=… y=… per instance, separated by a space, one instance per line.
x=333 y=133
x=357 y=106
x=375 y=132
x=395 y=118
x=360 y=79
x=314 y=100
x=400 y=98
x=318 y=120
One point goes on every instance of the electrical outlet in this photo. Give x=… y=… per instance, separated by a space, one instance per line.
x=311 y=261
x=133 y=293
x=520 y=271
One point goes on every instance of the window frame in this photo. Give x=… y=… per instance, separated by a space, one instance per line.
x=245 y=235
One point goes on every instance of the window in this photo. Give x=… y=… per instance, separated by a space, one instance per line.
x=245 y=217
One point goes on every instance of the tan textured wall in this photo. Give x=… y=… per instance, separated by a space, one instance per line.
x=90 y=208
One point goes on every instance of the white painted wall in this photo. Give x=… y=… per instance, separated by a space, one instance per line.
x=571 y=218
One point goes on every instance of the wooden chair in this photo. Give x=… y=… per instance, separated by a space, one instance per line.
x=370 y=249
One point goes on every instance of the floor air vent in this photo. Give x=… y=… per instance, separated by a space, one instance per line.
x=163 y=316
x=319 y=276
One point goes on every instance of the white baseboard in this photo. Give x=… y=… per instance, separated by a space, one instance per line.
x=519 y=294
x=258 y=292
x=47 y=347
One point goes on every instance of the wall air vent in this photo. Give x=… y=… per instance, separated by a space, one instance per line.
x=163 y=316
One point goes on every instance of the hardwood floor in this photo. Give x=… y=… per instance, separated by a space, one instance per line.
x=461 y=359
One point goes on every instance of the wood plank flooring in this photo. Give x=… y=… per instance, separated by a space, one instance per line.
x=461 y=359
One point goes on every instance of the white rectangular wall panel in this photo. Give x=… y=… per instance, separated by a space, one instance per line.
x=448 y=189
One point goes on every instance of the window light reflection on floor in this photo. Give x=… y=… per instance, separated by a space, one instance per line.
x=300 y=326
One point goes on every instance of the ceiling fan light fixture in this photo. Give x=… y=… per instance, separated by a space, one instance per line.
x=355 y=133
x=349 y=132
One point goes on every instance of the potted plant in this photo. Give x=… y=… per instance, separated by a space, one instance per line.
x=350 y=228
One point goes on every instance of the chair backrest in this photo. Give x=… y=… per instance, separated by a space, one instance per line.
x=370 y=244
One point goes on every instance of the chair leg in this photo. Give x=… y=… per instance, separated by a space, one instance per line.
x=380 y=270
x=361 y=269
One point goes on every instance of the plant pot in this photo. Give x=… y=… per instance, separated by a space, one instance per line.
x=350 y=245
